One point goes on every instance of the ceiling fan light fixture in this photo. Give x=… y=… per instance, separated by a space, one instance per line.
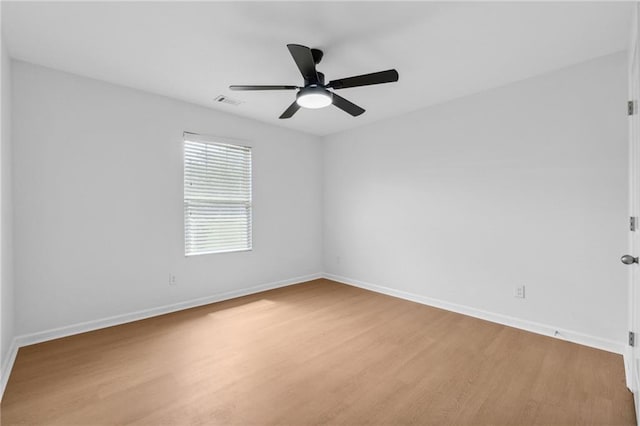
x=314 y=97
x=314 y=94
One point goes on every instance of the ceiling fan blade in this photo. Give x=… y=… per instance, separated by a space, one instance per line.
x=263 y=87
x=293 y=108
x=380 y=77
x=347 y=106
x=304 y=60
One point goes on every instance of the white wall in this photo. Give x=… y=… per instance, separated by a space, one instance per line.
x=6 y=215
x=525 y=184
x=98 y=201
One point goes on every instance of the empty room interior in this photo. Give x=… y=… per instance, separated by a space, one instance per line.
x=303 y=213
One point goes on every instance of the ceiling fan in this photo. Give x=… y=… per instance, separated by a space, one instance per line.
x=315 y=93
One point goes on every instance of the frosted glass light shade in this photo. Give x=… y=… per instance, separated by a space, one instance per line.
x=314 y=97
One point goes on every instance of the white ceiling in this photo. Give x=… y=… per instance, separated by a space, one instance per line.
x=194 y=51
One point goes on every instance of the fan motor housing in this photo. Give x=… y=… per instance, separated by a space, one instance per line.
x=313 y=82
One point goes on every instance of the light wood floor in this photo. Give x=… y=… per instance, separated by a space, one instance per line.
x=316 y=353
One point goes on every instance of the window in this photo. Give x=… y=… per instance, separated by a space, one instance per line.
x=217 y=196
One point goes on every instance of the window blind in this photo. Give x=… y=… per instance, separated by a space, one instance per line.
x=217 y=197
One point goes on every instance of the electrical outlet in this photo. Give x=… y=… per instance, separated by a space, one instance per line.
x=519 y=292
x=172 y=279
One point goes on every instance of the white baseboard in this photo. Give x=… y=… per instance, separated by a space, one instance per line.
x=69 y=330
x=534 y=327
x=56 y=333
x=7 y=366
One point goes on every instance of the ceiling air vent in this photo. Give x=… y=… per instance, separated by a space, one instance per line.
x=222 y=99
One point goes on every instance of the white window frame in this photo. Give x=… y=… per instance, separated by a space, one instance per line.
x=215 y=140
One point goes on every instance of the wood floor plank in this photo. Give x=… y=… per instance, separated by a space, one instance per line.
x=310 y=354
